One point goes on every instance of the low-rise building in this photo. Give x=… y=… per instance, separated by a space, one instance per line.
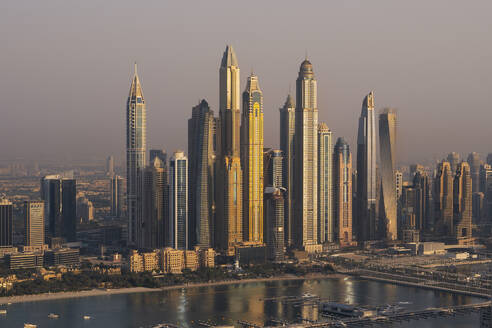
x=69 y=257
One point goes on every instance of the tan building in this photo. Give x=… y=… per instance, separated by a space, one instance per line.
x=443 y=200
x=462 y=201
x=34 y=223
x=172 y=260
x=206 y=257
x=135 y=262
x=191 y=260
x=150 y=261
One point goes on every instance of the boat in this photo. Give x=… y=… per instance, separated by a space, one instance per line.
x=53 y=316
x=30 y=325
x=87 y=317
x=345 y=310
x=3 y=311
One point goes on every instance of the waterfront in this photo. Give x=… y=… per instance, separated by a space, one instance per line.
x=225 y=304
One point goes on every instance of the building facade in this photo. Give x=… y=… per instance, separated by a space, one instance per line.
x=34 y=223
x=116 y=196
x=443 y=200
x=325 y=184
x=366 y=172
x=474 y=164
x=6 y=223
x=274 y=218
x=136 y=161
x=462 y=203
x=305 y=225
x=342 y=182
x=178 y=201
x=252 y=161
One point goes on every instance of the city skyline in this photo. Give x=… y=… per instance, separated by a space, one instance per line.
x=343 y=74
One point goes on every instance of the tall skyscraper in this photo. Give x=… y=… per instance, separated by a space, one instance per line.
x=34 y=223
x=110 y=165
x=486 y=188
x=366 y=172
x=202 y=157
x=462 y=201
x=342 y=182
x=454 y=160
x=443 y=200
x=325 y=184
x=287 y=145
x=6 y=222
x=178 y=201
x=305 y=227
x=156 y=209
x=60 y=206
x=489 y=158
x=136 y=145
x=474 y=163
x=229 y=178
x=274 y=218
x=387 y=149
x=160 y=153
x=252 y=161
x=116 y=196
x=423 y=208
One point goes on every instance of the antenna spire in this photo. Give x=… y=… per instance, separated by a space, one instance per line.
x=135 y=67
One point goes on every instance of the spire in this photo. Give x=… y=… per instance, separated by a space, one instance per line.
x=229 y=57
x=136 y=87
x=252 y=83
x=289 y=103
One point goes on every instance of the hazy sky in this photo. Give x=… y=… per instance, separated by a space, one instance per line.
x=66 y=67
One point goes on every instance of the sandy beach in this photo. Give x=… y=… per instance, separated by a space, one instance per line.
x=101 y=292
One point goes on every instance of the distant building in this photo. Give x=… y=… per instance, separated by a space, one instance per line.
x=85 y=209
x=423 y=206
x=6 y=223
x=486 y=188
x=34 y=223
x=159 y=153
x=462 y=201
x=474 y=164
x=478 y=205
x=273 y=167
x=453 y=159
x=25 y=260
x=274 y=221
x=443 y=200
x=178 y=201
x=68 y=257
x=60 y=206
x=110 y=165
x=116 y=196
x=325 y=184
x=287 y=145
x=342 y=191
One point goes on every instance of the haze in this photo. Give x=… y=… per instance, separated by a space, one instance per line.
x=66 y=68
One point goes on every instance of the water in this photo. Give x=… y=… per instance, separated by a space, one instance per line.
x=228 y=303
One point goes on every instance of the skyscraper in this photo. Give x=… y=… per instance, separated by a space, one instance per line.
x=6 y=222
x=110 y=165
x=486 y=188
x=423 y=208
x=202 y=155
x=287 y=145
x=325 y=184
x=273 y=168
x=156 y=209
x=34 y=223
x=462 y=201
x=454 y=160
x=387 y=148
x=229 y=178
x=342 y=182
x=252 y=161
x=60 y=205
x=136 y=145
x=274 y=219
x=160 y=153
x=474 y=163
x=305 y=225
x=366 y=171
x=178 y=201
x=116 y=196
x=443 y=200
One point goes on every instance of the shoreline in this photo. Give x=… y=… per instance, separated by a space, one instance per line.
x=133 y=290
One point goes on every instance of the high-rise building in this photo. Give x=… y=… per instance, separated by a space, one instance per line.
x=305 y=225
x=178 y=201
x=462 y=201
x=398 y=184
x=387 y=150
x=366 y=172
x=85 y=209
x=489 y=158
x=229 y=230
x=160 y=153
x=443 y=200
x=287 y=145
x=110 y=165
x=60 y=206
x=136 y=145
x=423 y=207
x=453 y=159
x=342 y=191
x=34 y=223
x=474 y=163
x=273 y=161
x=486 y=188
x=116 y=196
x=6 y=223
x=252 y=161
x=274 y=219
x=202 y=157
x=325 y=184
x=155 y=206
